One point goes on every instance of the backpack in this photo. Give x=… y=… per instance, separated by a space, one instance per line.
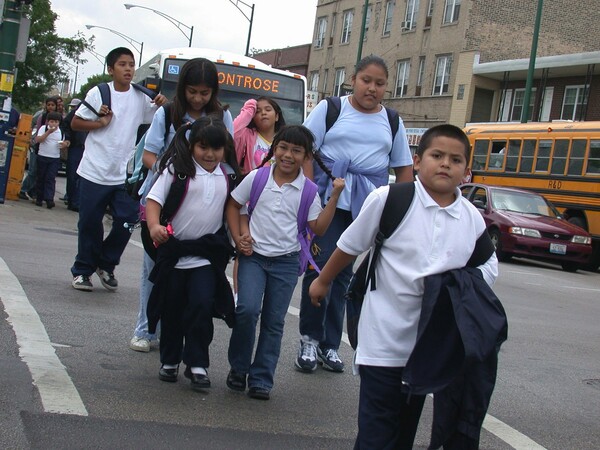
x=334 y=106
x=304 y=234
x=136 y=171
x=105 y=95
x=175 y=197
x=396 y=205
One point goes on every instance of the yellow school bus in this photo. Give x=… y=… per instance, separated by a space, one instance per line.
x=560 y=160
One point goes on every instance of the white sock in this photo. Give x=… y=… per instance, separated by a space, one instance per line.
x=198 y=370
x=169 y=366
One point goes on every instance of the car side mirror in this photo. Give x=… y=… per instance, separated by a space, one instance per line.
x=479 y=204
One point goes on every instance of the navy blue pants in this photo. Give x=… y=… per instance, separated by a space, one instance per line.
x=387 y=418
x=93 y=250
x=47 y=169
x=186 y=320
x=73 y=159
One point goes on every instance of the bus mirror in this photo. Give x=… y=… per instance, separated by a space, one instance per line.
x=153 y=67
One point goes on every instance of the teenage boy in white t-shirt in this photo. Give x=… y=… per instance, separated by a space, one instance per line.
x=108 y=146
x=437 y=234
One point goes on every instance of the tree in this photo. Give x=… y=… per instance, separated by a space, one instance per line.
x=42 y=69
x=91 y=82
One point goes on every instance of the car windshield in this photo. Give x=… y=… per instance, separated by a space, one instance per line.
x=522 y=202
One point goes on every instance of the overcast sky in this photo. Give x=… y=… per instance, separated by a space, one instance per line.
x=217 y=24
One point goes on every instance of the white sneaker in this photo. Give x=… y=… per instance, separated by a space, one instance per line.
x=139 y=344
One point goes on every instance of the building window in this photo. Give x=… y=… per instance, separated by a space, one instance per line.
x=389 y=14
x=429 y=13
x=340 y=76
x=517 y=107
x=420 y=76
x=451 y=11
x=412 y=9
x=402 y=78
x=347 y=28
x=367 y=22
x=442 y=75
x=321 y=30
x=314 y=81
x=574 y=102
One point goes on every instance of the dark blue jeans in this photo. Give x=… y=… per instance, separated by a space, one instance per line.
x=265 y=288
x=93 y=250
x=387 y=418
x=73 y=159
x=28 y=185
x=47 y=169
x=326 y=323
x=186 y=321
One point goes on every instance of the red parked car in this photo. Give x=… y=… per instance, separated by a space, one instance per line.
x=524 y=223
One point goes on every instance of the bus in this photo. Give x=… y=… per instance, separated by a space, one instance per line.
x=560 y=160
x=240 y=78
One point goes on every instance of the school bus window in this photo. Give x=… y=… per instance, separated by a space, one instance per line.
x=497 y=155
x=512 y=159
x=593 y=166
x=577 y=156
x=559 y=159
x=527 y=155
x=480 y=154
x=543 y=156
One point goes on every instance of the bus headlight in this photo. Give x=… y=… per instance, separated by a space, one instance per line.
x=581 y=240
x=529 y=232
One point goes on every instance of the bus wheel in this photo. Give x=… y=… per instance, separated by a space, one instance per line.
x=495 y=237
x=569 y=266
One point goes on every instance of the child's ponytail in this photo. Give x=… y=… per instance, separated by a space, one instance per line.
x=178 y=153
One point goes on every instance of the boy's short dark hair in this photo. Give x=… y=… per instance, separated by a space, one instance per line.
x=445 y=130
x=114 y=54
x=53 y=116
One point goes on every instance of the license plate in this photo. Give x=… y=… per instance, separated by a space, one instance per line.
x=559 y=249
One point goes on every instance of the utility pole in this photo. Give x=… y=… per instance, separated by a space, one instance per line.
x=9 y=36
x=362 y=32
x=532 y=56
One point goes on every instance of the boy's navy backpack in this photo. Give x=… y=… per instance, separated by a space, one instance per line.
x=105 y=95
x=304 y=234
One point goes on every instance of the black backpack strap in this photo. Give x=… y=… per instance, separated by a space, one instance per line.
x=484 y=247
x=175 y=197
x=394 y=120
x=104 y=89
x=149 y=92
x=396 y=206
x=167 y=109
x=334 y=106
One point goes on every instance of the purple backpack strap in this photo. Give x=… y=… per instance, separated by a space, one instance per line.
x=304 y=234
x=258 y=184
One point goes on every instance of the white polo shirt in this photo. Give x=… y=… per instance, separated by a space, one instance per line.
x=201 y=211
x=430 y=240
x=274 y=221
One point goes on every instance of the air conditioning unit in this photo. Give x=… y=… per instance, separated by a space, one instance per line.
x=405 y=26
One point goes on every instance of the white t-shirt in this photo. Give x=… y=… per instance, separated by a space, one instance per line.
x=50 y=146
x=430 y=240
x=274 y=221
x=364 y=139
x=261 y=149
x=108 y=149
x=201 y=211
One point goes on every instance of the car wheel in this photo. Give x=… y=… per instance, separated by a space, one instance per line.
x=569 y=266
x=495 y=237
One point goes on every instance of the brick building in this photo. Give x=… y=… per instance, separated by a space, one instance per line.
x=462 y=61
x=295 y=59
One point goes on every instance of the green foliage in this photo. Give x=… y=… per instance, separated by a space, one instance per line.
x=91 y=82
x=48 y=56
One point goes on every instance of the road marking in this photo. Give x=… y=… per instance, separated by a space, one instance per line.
x=57 y=392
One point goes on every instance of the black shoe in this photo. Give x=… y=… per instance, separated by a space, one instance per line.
x=73 y=208
x=169 y=375
x=38 y=203
x=64 y=198
x=259 y=393
x=236 y=381
x=199 y=381
x=23 y=195
x=50 y=204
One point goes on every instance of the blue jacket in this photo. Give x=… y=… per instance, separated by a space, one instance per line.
x=461 y=328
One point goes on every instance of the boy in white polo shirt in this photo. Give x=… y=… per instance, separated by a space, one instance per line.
x=437 y=234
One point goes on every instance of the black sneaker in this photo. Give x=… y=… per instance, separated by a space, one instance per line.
x=23 y=195
x=330 y=360
x=236 y=381
x=108 y=279
x=82 y=283
x=50 y=204
x=259 y=393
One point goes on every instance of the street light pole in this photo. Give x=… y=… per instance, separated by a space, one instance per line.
x=174 y=21
x=100 y=58
x=250 y=19
x=124 y=36
x=529 y=83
